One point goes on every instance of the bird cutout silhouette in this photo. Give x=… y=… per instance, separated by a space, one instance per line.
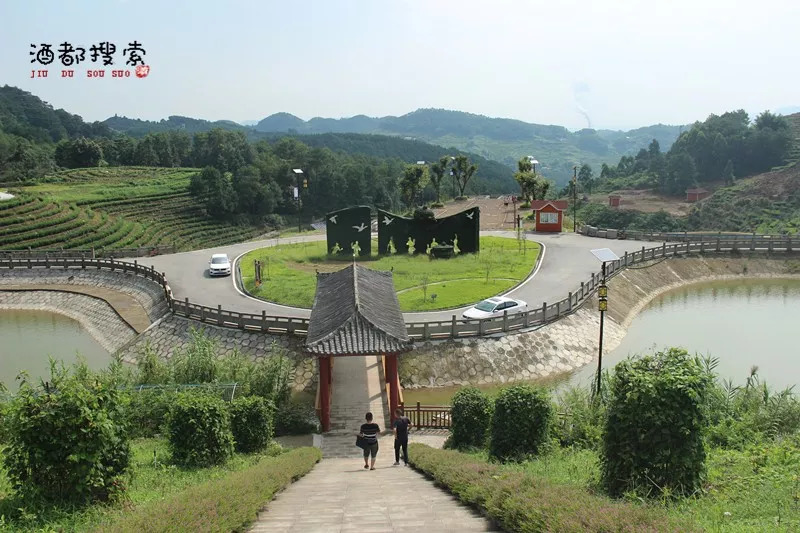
x=470 y=214
x=387 y=220
x=333 y=219
x=360 y=228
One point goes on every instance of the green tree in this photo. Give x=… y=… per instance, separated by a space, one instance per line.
x=438 y=170
x=586 y=177
x=463 y=171
x=727 y=174
x=78 y=153
x=414 y=179
x=681 y=173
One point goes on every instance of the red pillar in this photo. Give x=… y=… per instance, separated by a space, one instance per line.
x=394 y=384
x=325 y=392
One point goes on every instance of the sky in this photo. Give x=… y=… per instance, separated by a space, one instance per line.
x=616 y=64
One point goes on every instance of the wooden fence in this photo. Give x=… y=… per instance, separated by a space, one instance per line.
x=452 y=328
x=428 y=416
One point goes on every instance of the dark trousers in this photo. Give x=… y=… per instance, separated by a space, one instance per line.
x=397 y=445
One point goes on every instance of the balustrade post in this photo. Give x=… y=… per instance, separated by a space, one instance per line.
x=789 y=243
x=426 y=332
x=753 y=242
x=702 y=246
x=505 y=320
x=186 y=302
x=558 y=308
x=66 y=264
x=583 y=294
x=31 y=266
x=570 y=301
x=526 y=319
x=480 y=327
x=241 y=321
x=112 y=263
x=263 y=320
x=83 y=261
x=663 y=250
x=770 y=246
x=220 y=322
x=626 y=258
x=46 y=261
x=544 y=313
x=419 y=419
x=453 y=328
x=202 y=313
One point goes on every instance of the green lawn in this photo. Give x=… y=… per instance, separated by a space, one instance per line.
x=152 y=479
x=757 y=489
x=289 y=273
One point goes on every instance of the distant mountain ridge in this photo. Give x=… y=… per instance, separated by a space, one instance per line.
x=502 y=139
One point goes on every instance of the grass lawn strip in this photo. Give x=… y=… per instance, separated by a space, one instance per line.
x=289 y=273
x=156 y=485
x=525 y=502
x=227 y=504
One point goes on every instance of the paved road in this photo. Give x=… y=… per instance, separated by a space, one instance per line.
x=567 y=261
x=338 y=495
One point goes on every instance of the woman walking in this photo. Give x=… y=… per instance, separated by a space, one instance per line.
x=369 y=432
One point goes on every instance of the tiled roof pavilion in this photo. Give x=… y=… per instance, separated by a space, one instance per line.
x=356 y=312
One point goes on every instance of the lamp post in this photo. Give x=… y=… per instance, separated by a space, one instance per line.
x=534 y=162
x=574 y=199
x=298 y=174
x=604 y=255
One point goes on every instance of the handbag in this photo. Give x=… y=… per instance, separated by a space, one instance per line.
x=361 y=442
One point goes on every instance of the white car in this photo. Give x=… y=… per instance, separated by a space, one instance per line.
x=219 y=265
x=496 y=306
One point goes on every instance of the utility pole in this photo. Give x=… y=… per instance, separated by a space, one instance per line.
x=574 y=199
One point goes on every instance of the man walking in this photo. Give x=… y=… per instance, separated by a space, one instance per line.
x=401 y=425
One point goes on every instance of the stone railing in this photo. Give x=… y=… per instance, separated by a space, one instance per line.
x=760 y=241
x=142 y=251
x=433 y=330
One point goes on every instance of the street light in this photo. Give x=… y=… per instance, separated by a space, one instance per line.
x=298 y=174
x=534 y=162
x=604 y=255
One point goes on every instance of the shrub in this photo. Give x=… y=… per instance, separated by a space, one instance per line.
x=521 y=501
x=422 y=213
x=653 y=438
x=198 y=363
x=251 y=423
x=199 y=430
x=295 y=419
x=151 y=369
x=521 y=421
x=580 y=420
x=66 y=439
x=148 y=411
x=227 y=504
x=269 y=379
x=472 y=414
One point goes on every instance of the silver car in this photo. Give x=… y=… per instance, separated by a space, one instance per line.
x=496 y=306
x=219 y=265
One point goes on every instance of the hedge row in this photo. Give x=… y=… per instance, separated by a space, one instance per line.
x=227 y=504
x=519 y=501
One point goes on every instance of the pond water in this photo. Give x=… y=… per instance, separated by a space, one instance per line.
x=742 y=323
x=27 y=338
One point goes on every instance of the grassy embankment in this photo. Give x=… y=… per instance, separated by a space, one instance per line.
x=289 y=273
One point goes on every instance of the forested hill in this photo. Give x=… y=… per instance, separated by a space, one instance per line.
x=492 y=177
x=501 y=139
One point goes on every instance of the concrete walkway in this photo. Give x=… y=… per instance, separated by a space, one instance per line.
x=356 y=388
x=126 y=306
x=339 y=495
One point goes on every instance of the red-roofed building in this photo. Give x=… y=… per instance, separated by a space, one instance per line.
x=549 y=214
x=695 y=195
